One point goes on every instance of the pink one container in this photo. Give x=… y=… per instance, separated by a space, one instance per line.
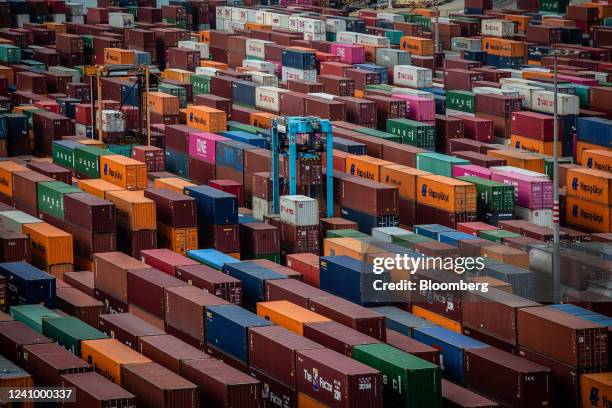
x=529 y=192
x=579 y=80
x=203 y=146
x=418 y=108
x=471 y=170
x=349 y=53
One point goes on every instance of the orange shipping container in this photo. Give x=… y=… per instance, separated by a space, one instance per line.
x=516 y=158
x=521 y=21
x=134 y=211
x=118 y=56
x=503 y=47
x=417 y=45
x=587 y=215
x=366 y=167
x=596 y=385
x=7 y=168
x=598 y=160
x=7 y=72
x=534 y=145
x=437 y=319
x=351 y=247
x=172 y=183
x=535 y=75
x=178 y=75
x=97 y=187
x=49 y=245
x=449 y=194
x=507 y=255
x=163 y=103
x=403 y=177
x=304 y=401
x=206 y=118
x=124 y=172
x=288 y=315
x=108 y=355
x=590 y=185
x=557 y=22
x=582 y=146
x=424 y=12
x=204 y=36
x=262 y=119
x=178 y=240
x=214 y=64
x=255 y=26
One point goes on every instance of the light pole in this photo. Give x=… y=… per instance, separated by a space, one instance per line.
x=437 y=29
x=556 y=272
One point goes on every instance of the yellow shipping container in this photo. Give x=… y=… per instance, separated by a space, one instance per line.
x=118 y=56
x=178 y=74
x=598 y=160
x=49 y=246
x=178 y=240
x=404 y=177
x=206 y=118
x=134 y=211
x=503 y=47
x=288 y=315
x=587 y=215
x=437 y=319
x=449 y=194
x=7 y=168
x=517 y=158
x=582 y=146
x=596 y=390
x=172 y=183
x=108 y=355
x=534 y=145
x=123 y=171
x=590 y=185
x=366 y=167
x=98 y=187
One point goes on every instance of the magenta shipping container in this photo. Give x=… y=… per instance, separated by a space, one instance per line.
x=349 y=53
x=529 y=192
x=418 y=108
x=471 y=170
x=203 y=146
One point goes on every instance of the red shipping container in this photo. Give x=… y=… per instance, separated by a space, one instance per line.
x=334 y=68
x=477 y=128
x=83 y=112
x=307 y=264
x=533 y=125
x=229 y=186
x=165 y=260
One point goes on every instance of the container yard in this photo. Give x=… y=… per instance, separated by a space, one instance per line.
x=300 y=204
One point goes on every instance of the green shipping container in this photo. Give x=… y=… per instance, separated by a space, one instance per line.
x=15 y=220
x=123 y=150
x=583 y=92
x=413 y=133
x=608 y=21
x=276 y=258
x=87 y=43
x=200 y=84
x=32 y=315
x=492 y=195
x=408 y=241
x=424 y=21
x=409 y=381
x=62 y=155
x=498 y=235
x=549 y=162
x=36 y=65
x=175 y=90
x=438 y=163
x=51 y=197
x=330 y=36
x=381 y=87
x=463 y=101
x=394 y=36
x=69 y=331
x=380 y=134
x=87 y=160
x=10 y=53
x=231 y=125
x=553 y=6
x=345 y=233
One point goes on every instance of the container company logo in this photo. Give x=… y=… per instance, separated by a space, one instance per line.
x=592 y=164
x=436 y=195
x=587 y=188
x=266 y=98
x=594 y=399
x=545 y=102
x=4 y=182
x=115 y=175
x=360 y=173
x=578 y=212
x=196 y=119
x=321 y=384
x=405 y=76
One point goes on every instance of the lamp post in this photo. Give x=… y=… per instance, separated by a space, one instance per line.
x=556 y=272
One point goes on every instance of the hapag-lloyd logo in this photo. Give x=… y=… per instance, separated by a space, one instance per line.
x=436 y=195
x=578 y=212
x=361 y=173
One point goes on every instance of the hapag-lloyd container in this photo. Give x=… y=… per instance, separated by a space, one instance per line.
x=412 y=76
x=299 y=210
x=203 y=146
x=349 y=53
x=417 y=108
x=529 y=192
x=337 y=380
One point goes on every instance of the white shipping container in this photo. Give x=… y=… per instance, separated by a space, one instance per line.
x=260 y=17
x=497 y=91
x=312 y=25
x=112 y=121
x=497 y=28
x=256 y=48
x=600 y=76
x=264 y=78
x=542 y=217
x=82 y=130
x=466 y=43
x=74 y=9
x=335 y=25
x=236 y=25
x=543 y=101
x=121 y=20
x=266 y=66
x=389 y=57
x=386 y=234
x=223 y=12
x=346 y=37
x=411 y=76
x=299 y=210
x=368 y=39
x=525 y=92
x=197 y=46
x=268 y=98
x=243 y=15
x=323 y=95
x=299 y=74
x=314 y=36
x=391 y=17
x=208 y=71
x=294 y=24
x=77 y=19
x=413 y=92
x=276 y=20
x=453 y=112
x=58 y=18
x=261 y=207
x=513 y=169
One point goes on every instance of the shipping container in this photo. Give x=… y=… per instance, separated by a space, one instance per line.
x=93 y=390
x=107 y=356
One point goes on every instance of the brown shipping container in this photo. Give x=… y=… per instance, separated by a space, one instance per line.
x=185 y=309
x=292 y=103
x=82 y=280
x=563 y=337
x=480 y=159
x=336 y=336
x=87 y=243
x=454 y=396
x=146 y=289
x=47 y=362
x=299 y=239
x=283 y=344
x=337 y=85
x=367 y=196
x=447 y=303
x=81 y=305
x=110 y=274
x=337 y=380
x=516 y=382
x=174 y=209
x=221 y=385
x=349 y=314
x=157 y=387
x=94 y=391
x=24 y=190
x=360 y=111
x=410 y=345
x=278 y=393
x=14 y=336
x=127 y=328
x=259 y=238
x=89 y=212
x=294 y=291
x=52 y=170
x=169 y=351
x=305 y=87
x=324 y=108
x=212 y=281
x=387 y=108
x=14 y=246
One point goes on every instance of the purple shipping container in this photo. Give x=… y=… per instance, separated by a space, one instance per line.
x=202 y=146
x=471 y=170
x=529 y=192
x=349 y=53
x=418 y=108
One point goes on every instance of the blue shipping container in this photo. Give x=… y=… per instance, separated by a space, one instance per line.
x=298 y=59
x=400 y=320
x=453 y=237
x=177 y=162
x=246 y=137
x=211 y=257
x=431 y=230
x=27 y=284
x=366 y=221
x=16 y=125
x=230 y=153
x=480 y=56
x=353 y=24
x=451 y=346
x=522 y=280
x=215 y=207
x=504 y=62
x=67 y=106
x=349 y=146
x=3 y=127
x=243 y=93
x=226 y=327
x=596 y=131
x=383 y=71
x=142 y=58
x=253 y=278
